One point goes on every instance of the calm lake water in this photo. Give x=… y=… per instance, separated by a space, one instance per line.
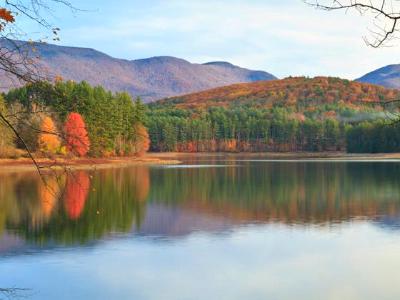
x=212 y=228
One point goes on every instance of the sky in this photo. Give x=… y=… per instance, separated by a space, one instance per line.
x=283 y=37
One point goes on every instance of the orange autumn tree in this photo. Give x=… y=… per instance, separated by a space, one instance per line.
x=76 y=136
x=48 y=138
x=142 y=141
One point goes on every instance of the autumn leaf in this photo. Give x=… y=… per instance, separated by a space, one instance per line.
x=6 y=15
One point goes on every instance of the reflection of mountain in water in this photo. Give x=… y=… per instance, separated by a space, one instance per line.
x=388 y=222
x=174 y=202
x=10 y=243
x=164 y=221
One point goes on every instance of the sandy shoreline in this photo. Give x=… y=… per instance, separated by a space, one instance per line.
x=26 y=164
x=171 y=158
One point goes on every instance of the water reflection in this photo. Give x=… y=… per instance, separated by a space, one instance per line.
x=49 y=193
x=73 y=208
x=76 y=193
x=87 y=206
x=299 y=193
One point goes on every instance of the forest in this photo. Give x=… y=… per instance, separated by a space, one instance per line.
x=248 y=129
x=290 y=115
x=68 y=118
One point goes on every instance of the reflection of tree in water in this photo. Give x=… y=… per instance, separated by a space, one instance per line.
x=284 y=192
x=29 y=204
x=114 y=200
x=49 y=194
x=7 y=201
x=92 y=206
x=76 y=192
x=141 y=181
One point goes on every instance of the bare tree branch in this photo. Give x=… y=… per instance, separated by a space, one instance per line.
x=18 y=60
x=16 y=133
x=385 y=15
x=13 y=293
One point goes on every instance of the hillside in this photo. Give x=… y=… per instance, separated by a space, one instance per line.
x=388 y=76
x=150 y=78
x=289 y=115
x=289 y=91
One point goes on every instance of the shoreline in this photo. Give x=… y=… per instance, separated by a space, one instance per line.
x=26 y=164
x=173 y=158
x=282 y=155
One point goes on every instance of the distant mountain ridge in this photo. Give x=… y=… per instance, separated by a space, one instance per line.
x=388 y=76
x=151 y=78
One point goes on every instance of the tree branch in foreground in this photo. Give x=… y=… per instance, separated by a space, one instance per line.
x=13 y=293
x=385 y=16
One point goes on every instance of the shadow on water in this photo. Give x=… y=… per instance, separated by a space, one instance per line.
x=85 y=207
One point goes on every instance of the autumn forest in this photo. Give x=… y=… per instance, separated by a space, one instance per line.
x=72 y=119
x=290 y=115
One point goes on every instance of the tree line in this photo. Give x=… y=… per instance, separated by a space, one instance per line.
x=245 y=128
x=381 y=136
x=78 y=119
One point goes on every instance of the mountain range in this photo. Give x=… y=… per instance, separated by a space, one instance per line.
x=156 y=77
x=151 y=78
x=388 y=76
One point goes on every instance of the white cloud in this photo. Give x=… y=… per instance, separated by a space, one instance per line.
x=284 y=37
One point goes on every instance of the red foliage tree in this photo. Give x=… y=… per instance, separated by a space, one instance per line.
x=76 y=193
x=77 y=140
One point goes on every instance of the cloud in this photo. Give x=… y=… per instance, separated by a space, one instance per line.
x=284 y=37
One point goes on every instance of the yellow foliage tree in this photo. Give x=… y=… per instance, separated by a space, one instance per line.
x=48 y=138
x=49 y=192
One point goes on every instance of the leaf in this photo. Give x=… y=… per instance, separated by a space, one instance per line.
x=6 y=15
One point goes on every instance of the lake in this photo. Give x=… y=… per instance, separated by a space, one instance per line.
x=211 y=228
